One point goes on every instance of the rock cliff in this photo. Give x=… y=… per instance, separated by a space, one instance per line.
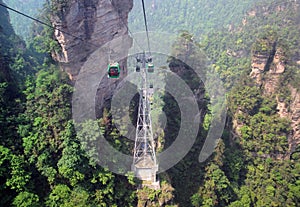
x=267 y=70
x=87 y=25
x=94 y=33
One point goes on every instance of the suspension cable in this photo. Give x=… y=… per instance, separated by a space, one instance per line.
x=80 y=38
x=124 y=23
x=146 y=26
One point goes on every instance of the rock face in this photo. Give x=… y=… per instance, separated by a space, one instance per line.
x=262 y=59
x=259 y=62
x=94 y=33
x=275 y=70
x=294 y=115
x=87 y=25
x=292 y=112
x=266 y=71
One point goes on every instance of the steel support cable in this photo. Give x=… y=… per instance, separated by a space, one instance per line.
x=146 y=26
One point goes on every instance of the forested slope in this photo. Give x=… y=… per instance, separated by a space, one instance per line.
x=41 y=160
x=252 y=46
x=198 y=17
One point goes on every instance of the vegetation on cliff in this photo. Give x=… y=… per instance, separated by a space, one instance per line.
x=257 y=165
x=256 y=161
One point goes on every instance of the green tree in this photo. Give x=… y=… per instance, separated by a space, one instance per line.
x=19 y=176
x=216 y=189
x=47 y=115
x=26 y=199
x=72 y=159
x=58 y=196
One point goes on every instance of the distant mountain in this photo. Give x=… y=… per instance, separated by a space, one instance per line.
x=254 y=47
x=22 y=25
x=196 y=16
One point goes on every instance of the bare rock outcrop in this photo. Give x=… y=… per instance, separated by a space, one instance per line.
x=95 y=32
x=259 y=62
x=266 y=71
x=87 y=25
x=267 y=68
x=292 y=112
x=263 y=54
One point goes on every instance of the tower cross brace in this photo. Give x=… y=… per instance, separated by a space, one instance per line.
x=144 y=163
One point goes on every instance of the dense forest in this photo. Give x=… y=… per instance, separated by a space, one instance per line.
x=253 y=46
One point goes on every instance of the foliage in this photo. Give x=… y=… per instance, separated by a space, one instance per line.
x=44 y=42
x=216 y=189
x=26 y=199
x=44 y=161
x=55 y=151
x=150 y=197
x=196 y=16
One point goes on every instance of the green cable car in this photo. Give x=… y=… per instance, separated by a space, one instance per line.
x=137 y=68
x=150 y=67
x=113 y=70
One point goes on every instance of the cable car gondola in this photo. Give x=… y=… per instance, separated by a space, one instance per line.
x=150 y=68
x=137 y=68
x=113 y=70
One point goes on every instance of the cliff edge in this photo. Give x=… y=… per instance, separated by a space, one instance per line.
x=87 y=25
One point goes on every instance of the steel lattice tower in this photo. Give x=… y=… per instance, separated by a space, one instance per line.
x=144 y=164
